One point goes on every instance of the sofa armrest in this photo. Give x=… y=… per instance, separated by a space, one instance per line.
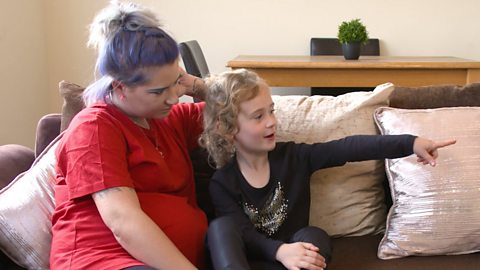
x=14 y=159
x=48 y=128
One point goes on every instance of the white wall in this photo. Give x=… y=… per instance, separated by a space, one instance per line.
x=224 y=28
x=405 y=28
x=227 y=28
x=23 y=70
x=67 y=30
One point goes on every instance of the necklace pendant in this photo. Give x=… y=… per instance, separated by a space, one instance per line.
x=159 y=151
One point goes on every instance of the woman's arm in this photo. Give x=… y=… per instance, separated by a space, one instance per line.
x=135 y=231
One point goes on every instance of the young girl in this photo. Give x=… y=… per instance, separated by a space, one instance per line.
x=261 y=191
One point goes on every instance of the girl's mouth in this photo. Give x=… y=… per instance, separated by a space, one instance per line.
x=270 y=136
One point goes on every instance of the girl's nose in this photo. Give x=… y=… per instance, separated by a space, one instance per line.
x=272 y=121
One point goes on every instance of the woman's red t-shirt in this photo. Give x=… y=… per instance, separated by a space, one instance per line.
x=103 y=148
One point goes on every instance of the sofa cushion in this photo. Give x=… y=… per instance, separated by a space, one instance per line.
x=26 y=207
x=435 y=209
x=435 y=96
x=72 y=102
x=346 y=200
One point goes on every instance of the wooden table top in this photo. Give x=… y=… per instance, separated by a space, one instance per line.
x=371 y=62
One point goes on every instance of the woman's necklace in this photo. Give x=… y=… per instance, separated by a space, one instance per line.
x=150 y=130
x=153 y=128
x=142 y=122
x=156 y=143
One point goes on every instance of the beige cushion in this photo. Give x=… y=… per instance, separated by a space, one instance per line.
x=72 y=102
x=436 y=210
x=26 y=207
x=347 y=200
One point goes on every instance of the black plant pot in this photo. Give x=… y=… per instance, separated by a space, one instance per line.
x=351 y=51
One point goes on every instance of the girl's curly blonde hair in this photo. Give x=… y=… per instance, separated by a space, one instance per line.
x=225 y=93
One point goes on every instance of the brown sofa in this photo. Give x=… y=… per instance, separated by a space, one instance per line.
x=348 y=252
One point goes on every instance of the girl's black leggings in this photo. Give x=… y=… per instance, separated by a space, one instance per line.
x=227 y=248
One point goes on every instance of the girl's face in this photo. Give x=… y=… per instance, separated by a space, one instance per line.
x=256 y=124
x=155 y=98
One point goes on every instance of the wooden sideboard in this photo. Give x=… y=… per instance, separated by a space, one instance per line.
x=368 y=71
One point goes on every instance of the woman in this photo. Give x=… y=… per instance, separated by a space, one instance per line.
x=125 y=194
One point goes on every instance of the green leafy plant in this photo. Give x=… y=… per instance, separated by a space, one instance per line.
x=352 y=31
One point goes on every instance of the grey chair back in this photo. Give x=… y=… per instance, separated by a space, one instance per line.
x=193 y=58
x=331 y=46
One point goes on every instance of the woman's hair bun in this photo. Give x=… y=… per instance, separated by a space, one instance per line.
x=119 y=16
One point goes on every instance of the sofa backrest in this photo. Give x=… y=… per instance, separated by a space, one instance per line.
x=434 y=96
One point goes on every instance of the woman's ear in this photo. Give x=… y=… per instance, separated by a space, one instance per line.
x=117 y=85
x=118 y=88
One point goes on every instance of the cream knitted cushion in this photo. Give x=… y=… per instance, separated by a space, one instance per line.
x=347 y=200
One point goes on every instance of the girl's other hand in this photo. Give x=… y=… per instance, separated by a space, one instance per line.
x=300 y=255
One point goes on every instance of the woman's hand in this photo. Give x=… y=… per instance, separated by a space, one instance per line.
x=427 y=150
x=194 y=86
x=300 y=255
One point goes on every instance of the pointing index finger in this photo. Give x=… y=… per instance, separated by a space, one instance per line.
x=444 y=143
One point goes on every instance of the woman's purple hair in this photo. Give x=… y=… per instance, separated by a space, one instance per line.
x=132 y=50
x=128 y=39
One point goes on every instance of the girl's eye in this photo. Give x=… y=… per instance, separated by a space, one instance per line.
x=258 y=116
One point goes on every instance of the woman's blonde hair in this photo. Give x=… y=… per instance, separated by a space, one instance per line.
x=225 y=93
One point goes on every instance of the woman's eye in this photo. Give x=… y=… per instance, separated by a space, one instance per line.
x=157 y=92
x=258 y=116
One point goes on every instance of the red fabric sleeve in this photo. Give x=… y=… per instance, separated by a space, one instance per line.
x=98 y=147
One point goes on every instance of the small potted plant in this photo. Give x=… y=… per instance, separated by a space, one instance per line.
x=352 y=34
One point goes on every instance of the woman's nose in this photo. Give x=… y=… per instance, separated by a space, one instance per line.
x=173 y=95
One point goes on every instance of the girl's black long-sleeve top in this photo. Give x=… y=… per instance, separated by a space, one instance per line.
x=270 y=215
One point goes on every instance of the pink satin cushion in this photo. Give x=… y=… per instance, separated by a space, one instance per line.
x=436 y=210
x=26 y=207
